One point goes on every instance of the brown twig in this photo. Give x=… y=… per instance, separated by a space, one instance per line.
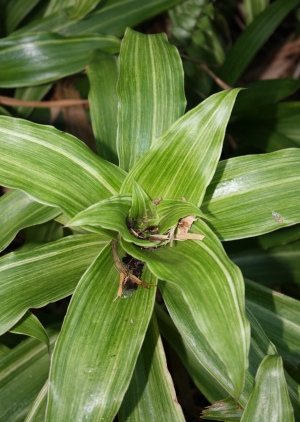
x=217 y=80
x=41 y=104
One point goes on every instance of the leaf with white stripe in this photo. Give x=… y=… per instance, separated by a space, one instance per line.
x=54 y=167
x=103 y=73
x=17 y=211
x=182 y=161
x=38 y=58
x=150 y=93
x=43 y=274
x=23 y=371
x=151 y=392
x=204 y=293
x=29 y=325
x=269 y=400
x=97 y=349
x=251 y=195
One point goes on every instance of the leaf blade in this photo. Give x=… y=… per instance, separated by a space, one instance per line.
x=54 y=167
x=65 y=56
x=151 y=393
x=116 y=326
x=18 y=211
x=192 y=298
x=233 y=202
x=270 y=377
x=150 y=93
x=198 y=137
x=45 y=274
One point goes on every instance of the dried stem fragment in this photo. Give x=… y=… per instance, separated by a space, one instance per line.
x=124 y=272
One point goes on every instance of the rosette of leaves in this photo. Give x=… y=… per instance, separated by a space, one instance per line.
x=157 y=167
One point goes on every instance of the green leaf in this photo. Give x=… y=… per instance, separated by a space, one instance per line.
x=203 y=380
x=262 y=405
x=261 y=347
x=38 y=408
x=269 y=128
x=35 y=59
x=279 y=316
x=182 y=161
x=110 y=214
x=259 y=94
x=111 y=17
x=82 y=8
x=151 y=393
x=143 y=211
x=253 y=38
x=40 y=159
x=253 y=8
x=95 y=356
x=44 y=274
x=150 y=93
x=56 y=5
x=18 y=211
x=277 y=266
x=23 y=372
x=29 y=325
x=204 y=293
x=170 y=211
x=251 y=195
x=280 y=237
x=16 y=11
x=103 y=74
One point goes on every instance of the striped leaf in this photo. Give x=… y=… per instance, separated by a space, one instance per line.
x=54 y=167
x=29 y=325
x=204 y=293
x=251 y=195
x=279 y=316
x=151 y=392
x=103 y=75
x=37 y=58
x=182 y=161
x=269 y=400
x=150 y=93
x=38 y=408
x=111 y=17
x=23 y=371
x=253 y=38
x=97 y=349
x=82 y=8
x=18 y=211
x=44 y=274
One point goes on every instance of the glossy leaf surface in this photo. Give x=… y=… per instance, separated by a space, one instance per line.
x=263 y=405
x=44 y=274
x=251 y=195
x=103 y=74
x=200 y=283
x=35 y=59
x=150 y=93
x=95 y=355
x=182 y=161
x=44 y=158
x=112 y=17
